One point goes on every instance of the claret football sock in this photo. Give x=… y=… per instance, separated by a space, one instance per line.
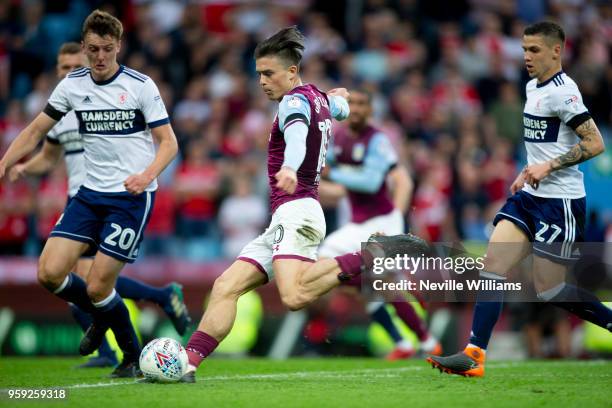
x=406 y=312
x=488 y=307
x=74 y=290
x=350 y=265
x=200 y=345
x=113 y=313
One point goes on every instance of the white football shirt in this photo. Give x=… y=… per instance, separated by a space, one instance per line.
x=553 y=110
x=66 y=133
x=115 y=120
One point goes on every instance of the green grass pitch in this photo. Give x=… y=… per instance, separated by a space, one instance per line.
x=328 y=382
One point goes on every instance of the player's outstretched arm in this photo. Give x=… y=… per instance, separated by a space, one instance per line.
x=331 y=192
x=40 y=164
x=401 y=187
x=590 y=145
x=168 y=147
x=338 y=103
x=26 y=141
x=369 y=176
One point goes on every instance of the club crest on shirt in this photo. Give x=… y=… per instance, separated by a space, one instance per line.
x=358 y=152
x=294 y=102
x=123 y=97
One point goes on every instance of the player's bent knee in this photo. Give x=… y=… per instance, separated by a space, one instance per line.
x=97 y=291
x=496 y=266
x=49 y=275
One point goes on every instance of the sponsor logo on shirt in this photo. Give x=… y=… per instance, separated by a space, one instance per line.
x=540 y=129
x=111 y=122
x=358 y=152
x=574 y=98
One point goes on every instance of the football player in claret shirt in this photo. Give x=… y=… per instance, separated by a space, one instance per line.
x=287 y=250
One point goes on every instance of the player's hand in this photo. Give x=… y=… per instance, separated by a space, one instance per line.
x=286 y=179
x=343 y=92
x=518 y=183
x=2 y=170
x=536 y=173
x=16 y=172
x=136 y=183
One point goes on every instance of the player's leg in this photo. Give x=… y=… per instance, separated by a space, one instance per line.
x=562 y=222
x=549 y=280
x=508 y=245
x=72 y=235
x=220 y=313
x=106 y=356
x=403 y=348
x=300 y=279
x=121 y=219
x=110 y=312
x=168 y=298
x=55 y=263
x=393 y=224
x=300 y=282
x=57 y=260
x=406 y=312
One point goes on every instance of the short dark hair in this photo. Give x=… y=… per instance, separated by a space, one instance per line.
x=546 y=29
x=102 y=23
x=70 y=48
x=287 y=44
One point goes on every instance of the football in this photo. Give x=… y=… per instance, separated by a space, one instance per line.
x=163 y=360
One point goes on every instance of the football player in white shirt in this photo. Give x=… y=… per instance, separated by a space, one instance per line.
x=65 y=140
x=120 y=112
x=547 y=209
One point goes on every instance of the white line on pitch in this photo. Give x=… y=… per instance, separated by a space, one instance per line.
x=376 y=372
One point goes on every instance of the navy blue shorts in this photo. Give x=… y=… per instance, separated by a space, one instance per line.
x=113 y=223
x=90 y=253
x=552 y=224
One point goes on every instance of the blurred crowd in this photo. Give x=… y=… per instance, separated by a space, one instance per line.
x=447 y=78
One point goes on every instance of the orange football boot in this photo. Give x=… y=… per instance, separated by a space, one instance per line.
x=468 y=363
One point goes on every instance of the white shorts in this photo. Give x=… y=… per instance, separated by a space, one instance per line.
x=295 y=232
x=349 y=238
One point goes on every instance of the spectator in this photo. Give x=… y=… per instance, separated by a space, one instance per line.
x=16 y=202
x=196 y=189
x=241 y=217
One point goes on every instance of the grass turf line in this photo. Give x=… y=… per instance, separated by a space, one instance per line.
x=329 y=382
